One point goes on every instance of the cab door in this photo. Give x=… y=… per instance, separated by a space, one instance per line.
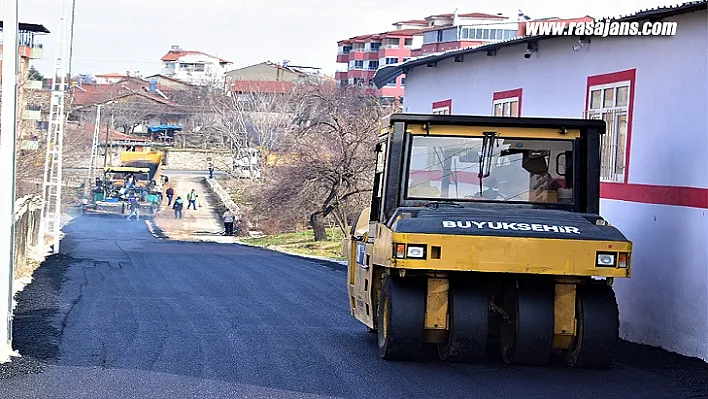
x=358 y=271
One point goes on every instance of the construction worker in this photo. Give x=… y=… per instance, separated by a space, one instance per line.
x=211 y=170
x=178 y=205
x=192 y=198
x=134 y=208
x=228 y=218
x=170 y=193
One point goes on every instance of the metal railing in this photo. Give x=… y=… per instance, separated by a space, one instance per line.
x=613 y=143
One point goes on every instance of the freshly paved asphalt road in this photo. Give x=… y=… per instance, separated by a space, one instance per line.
x=124 y=314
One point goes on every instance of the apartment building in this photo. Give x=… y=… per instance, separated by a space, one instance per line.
x=364 y=54
x=30 y=94
x=194 y=67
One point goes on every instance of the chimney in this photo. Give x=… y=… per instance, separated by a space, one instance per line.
x=174 y=47
x=455 y=18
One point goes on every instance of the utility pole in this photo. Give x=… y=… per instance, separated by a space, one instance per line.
x=51 y=213
x=8 y=137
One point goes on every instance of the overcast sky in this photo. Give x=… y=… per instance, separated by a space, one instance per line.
x=120 y=35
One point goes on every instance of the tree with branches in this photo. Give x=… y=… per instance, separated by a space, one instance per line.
x=245 y=121
x=332 y=153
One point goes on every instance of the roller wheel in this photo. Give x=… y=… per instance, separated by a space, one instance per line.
x=401 y=318
x=467 y=337
x=595 y=345
x=527 y=335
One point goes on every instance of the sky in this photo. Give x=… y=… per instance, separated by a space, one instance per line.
x=122 y=35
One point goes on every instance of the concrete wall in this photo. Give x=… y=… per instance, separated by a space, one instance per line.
x=665 y=303
x=28 y=214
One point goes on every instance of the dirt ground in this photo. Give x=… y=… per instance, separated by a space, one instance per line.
x=202 y=224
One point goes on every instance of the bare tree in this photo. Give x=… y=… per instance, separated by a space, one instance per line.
x=247 y=120
x=332 y=158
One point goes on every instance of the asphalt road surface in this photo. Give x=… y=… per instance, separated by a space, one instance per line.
x=124 y=314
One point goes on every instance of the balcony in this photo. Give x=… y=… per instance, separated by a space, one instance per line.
x=33 y=85
x=341 y=58
x=36 y=52
x=469 y=33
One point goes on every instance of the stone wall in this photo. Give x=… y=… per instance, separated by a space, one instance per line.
x=194 y=159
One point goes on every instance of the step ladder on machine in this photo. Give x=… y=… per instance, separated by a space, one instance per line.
x=51 y=213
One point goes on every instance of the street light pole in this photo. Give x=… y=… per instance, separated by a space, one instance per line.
x=8 y=137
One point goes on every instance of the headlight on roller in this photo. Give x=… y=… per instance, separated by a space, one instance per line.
x=416 y=251
x=606 y=259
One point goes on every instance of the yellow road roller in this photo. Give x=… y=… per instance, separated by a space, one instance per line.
x=487 y=230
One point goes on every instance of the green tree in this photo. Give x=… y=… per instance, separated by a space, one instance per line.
x=33 y=74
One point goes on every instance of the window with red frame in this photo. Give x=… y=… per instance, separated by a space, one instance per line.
x=507 y=103
x=609 y=98
x=443 y=107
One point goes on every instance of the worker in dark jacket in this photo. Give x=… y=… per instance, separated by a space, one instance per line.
x=178 y=206
x=170 y=193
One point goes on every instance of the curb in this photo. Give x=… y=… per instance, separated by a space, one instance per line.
x=217 y=189
x=327 y=262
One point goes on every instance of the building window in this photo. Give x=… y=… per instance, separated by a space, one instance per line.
x=375 y=47
x=391 y=43
x=408 y=43
x=507 y=103
x=609 y=98
x=443 y=107
x=391 y=60
x=359 y=64
x=403 y=82
x=373 y=65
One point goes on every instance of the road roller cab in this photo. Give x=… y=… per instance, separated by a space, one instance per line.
x=485 y=229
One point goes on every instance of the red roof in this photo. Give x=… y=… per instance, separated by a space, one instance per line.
x=469 y=15
x=112 y=75
x=413 y=22
x=403 y=32
x=261 y=86
x=113 y=135
x=90 y=95
x=173 y=55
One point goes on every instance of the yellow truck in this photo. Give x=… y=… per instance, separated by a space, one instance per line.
x=488 y=227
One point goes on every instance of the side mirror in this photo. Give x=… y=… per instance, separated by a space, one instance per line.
x=563 y=163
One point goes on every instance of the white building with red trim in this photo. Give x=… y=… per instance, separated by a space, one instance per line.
x=194 y=67
x=653 y=91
